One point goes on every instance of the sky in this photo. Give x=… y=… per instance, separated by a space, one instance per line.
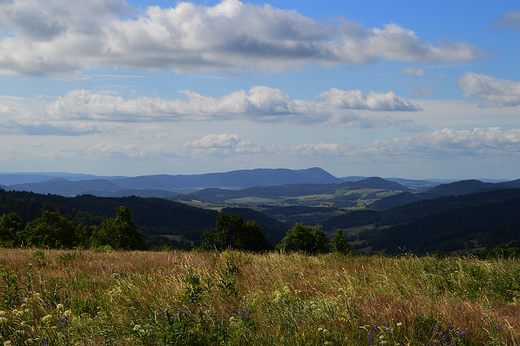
x=408 y=89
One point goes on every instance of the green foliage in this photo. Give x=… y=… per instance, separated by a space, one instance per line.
x=305 y=239
x=274 y=229
x=10 y=226
x=119 y=233
x=233 y=232
x=50 y=231
x=340 y=245
x=54 y=231
x=10 y=291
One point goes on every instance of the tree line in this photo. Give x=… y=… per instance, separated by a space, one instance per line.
x=52 y=230
x=233 y=232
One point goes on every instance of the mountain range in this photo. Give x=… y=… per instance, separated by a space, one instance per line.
x=156 y=185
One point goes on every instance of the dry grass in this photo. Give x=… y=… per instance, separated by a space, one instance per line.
x=232 y=298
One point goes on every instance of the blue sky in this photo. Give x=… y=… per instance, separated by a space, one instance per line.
x=408 y=89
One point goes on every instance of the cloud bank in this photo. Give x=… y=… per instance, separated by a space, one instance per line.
x=59 y=37
x=441 y=144
x=83 y=111
x=491 y=91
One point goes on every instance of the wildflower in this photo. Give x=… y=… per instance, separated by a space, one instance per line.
x=2 y=313
x=450 y=326
x=446 y=339
x=7 y=343
x=59 y=306
x=45 y=342
x=243 y=313
x=399 y=324
x=3 y=320
x=67 y=313
x=498 y=327
x=370 y=340
x=375 y=328
x=437 y=329
x=64 y=321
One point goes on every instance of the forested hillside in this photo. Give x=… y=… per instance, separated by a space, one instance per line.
x=154 y=216
x=451 y=189
x=455 y=229
x=413 y=211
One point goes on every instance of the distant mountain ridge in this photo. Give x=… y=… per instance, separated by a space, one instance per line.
x=156 y=185
x=233 y=179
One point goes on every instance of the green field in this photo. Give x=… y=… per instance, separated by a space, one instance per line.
x=52 y=297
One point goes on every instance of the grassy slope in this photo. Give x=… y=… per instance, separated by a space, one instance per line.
x=231 y=298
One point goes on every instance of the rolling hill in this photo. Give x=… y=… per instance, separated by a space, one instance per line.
x=451 y=189
x=333 y=195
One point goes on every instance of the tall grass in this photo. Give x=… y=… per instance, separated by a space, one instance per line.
x=50 y=297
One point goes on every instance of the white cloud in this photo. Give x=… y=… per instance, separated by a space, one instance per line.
x=215 y=141
x=58 y=37
x=492 y=91
x=508 y=19
x=439 y=144
x=415 y=72
x=449 y=142
x=220 y=144
x=260 y=104
x=354 y=99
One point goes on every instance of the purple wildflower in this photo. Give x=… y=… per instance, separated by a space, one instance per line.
x=64 y=321
x=370 y=340
x=437 y=329
x=446 y=339
x=243 y=313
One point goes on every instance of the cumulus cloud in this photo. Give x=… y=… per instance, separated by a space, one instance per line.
x=491 y=91
x=260 y=103
x=437 y=144
x=221 y=144
x=59 y=37
x=415 y=72
x=354 y=99
x=508 y=19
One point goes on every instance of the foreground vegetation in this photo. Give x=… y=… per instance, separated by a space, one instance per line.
x=56 y=297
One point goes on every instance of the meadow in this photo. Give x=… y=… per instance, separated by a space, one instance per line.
x=54 y=297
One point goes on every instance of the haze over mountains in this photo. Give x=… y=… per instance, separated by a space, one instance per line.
x=372 y=212
x=164 y=186
x=70 y=184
